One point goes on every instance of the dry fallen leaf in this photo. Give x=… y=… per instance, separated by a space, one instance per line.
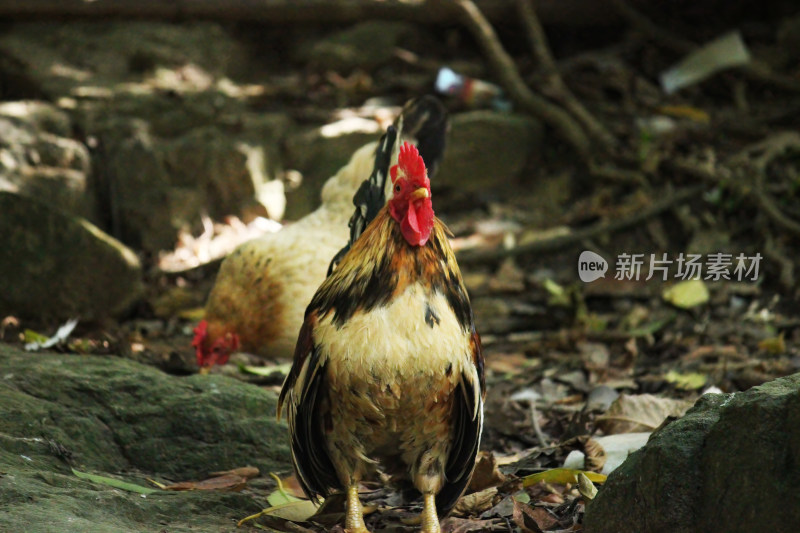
x=248 y=472
x=686 y=294
x=285 y=517
x=595 y=456
x=686 y=380
x=716 y=352
x=475 y=503
x=299 y=511
x=639 y=413
x=467 y=525
x=617 y=448
x=532 y=519
x=507 y=363
x=773 y=345
x=561 y=476
x=486 y=473
x=586 y=487
x=228 y=482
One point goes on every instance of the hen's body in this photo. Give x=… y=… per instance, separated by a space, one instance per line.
x=388 y=371
x=264 y=286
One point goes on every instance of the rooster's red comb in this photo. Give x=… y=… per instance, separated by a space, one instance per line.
x=410 y=161
x=200 y=333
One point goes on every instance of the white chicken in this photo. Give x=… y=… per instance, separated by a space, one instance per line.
x=263 y=287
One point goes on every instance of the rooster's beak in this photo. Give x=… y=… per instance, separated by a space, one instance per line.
x=420 y=193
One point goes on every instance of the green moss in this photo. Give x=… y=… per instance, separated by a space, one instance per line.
x=118 y=418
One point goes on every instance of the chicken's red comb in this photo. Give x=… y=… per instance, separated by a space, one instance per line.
x=200 y=333
x=410 y=161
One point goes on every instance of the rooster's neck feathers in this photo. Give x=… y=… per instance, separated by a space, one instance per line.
x=382 y=265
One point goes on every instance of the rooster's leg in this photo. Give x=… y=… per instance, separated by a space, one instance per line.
x=430 y=520
x=354 y=519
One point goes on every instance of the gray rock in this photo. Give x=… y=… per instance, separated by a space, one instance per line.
x=365 y=45
x=318 y=154
x=729 y=465
x=487 y=149
x=55 y=266
x=57 y=58
x=116 y=418
x=172 y=137
x=175 y=113
x=787 y=38
x=230 y=171
x=63 y=188
x=131 y=182
x=153 y=186
x=43 y=116
x=39 y=164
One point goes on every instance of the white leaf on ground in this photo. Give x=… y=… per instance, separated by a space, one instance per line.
x=617 y=448
x=723 y=52
x=60 y=336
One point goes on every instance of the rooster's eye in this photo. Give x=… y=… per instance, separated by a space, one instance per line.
x=397 y=188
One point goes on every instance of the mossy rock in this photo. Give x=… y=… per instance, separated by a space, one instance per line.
x=55 y=266
x=488 y=149
x=365 y=45
x=730 y=465
x=117 y=418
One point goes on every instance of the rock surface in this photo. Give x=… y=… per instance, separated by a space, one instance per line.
x=365 y=45
x=113 y=417
x=228 y=171
x=55 y=266
x=38 y=160
x=133 y=184
x=731 y=464
x=58 y=59
x=487 y=149
x=319 y=153
x=172 y=138
x=152 y=186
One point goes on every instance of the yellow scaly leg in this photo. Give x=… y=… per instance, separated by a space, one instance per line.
x=354 y=517
x=430 y=520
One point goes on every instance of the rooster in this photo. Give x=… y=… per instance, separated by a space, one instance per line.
x=388 y=370
x=263 y=287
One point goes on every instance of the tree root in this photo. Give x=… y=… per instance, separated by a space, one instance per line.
x=745 y=172
x=509 y=77
x=774 y=252
x=564 y=241
x=558 y=90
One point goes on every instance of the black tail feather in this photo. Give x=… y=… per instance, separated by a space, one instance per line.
x=371 y=195
x=424 y=122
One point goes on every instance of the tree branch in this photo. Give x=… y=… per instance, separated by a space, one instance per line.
x=559 y=90
x=576 y=13
x=602 y=228
x=512 y=82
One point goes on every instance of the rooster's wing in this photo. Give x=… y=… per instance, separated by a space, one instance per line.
x=305 y=396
